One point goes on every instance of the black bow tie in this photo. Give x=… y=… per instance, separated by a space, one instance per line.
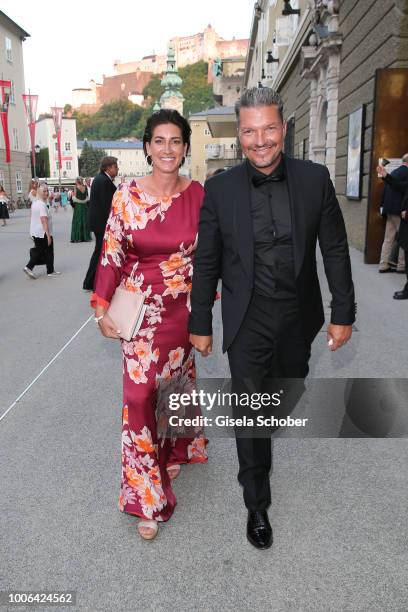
x=258 y=180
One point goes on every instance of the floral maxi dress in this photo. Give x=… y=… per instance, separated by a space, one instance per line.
x=148 y=247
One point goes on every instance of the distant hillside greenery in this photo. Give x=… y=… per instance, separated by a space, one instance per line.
x=112 y=121
x=122 y=119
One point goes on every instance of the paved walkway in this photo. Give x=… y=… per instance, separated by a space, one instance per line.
x=339 y=505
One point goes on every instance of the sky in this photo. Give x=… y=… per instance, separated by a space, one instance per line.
x=73 y=42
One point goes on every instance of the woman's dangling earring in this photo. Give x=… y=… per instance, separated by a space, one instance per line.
x=183 y=159
x=149 y=160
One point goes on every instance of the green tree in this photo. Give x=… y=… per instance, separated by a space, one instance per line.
x=90 y=160
x=153 y=89
x=112 y=121
x=195 y=89
x=42 y=163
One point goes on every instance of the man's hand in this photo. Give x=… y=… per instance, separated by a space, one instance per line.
x=381 y=171
x=337 y=335
x=203 y=344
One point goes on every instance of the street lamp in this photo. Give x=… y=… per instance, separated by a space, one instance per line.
x=270 y=59
x=288 y=10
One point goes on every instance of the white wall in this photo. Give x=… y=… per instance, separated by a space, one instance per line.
x=44 y=138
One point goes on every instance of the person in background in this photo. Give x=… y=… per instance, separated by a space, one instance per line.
x=391 y=201
x=403 y=243
x=88 y=183
x=42 y=234
x=102 y=191
x=4 y=213
x=80 y=230
x=214 y=172
x=32 y=190
x=55 y=198
x=64 y=199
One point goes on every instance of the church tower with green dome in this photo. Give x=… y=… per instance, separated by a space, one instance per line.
x=172 y=96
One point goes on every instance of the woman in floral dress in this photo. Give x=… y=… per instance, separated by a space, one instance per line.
x=149 y=244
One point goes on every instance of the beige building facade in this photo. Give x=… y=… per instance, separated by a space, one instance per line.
x=209 y=152
x=14 y=176
x=130 y=155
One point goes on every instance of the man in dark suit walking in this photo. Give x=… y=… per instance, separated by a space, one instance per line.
x=259 y=226
x=102 y=190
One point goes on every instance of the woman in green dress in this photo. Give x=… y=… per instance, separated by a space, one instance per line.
x=80 y=230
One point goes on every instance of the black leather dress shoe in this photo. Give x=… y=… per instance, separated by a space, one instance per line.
x=259 y=530
x=401 y=295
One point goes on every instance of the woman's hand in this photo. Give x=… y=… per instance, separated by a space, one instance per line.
x=49 y=240
x=108 y=328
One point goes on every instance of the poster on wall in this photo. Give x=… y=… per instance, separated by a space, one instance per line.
x=355 y=154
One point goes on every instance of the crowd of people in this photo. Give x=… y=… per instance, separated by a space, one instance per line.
x=42 y=201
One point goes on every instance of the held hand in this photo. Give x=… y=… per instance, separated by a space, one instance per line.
x=49 y=240
x=108 y=328
x=203 y=344
x=404 y=215
x=337 y=335
x=381 y=171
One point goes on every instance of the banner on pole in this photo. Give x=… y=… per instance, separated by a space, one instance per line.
x=5 y=88
x=56 y=112
x=30 y=106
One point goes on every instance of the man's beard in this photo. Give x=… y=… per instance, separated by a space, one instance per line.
x=267 y=162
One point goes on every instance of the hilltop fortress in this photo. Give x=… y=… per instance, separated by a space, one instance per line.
x=129 y=78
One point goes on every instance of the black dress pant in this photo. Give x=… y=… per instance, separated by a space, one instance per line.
x=269 y=346
x=90 y=275
x=42 y=254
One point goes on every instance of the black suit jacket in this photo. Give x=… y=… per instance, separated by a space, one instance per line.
x=395 y=185
x=102 y=190
x=225 y=249
x=403 y=229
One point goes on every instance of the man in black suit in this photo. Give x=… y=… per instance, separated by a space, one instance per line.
x=259 y=226
x=102 y=190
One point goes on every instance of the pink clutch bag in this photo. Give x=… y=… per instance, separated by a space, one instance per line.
x=127 y=310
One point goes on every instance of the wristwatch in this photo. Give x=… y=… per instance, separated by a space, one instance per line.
x=97 y=319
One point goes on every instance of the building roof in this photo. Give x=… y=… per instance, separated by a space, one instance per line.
x=218 y=110
x=13 y=25
x=112 y=144
x=45 y=116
